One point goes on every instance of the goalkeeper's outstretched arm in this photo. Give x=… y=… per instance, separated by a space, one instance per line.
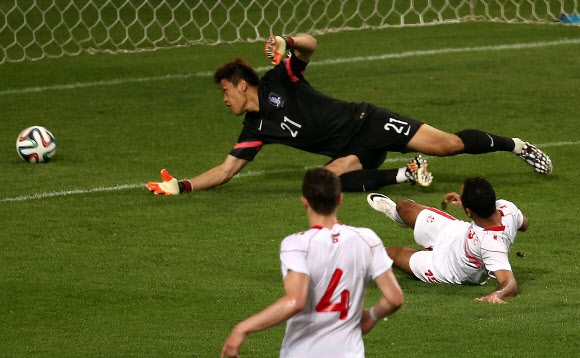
x=216 y=176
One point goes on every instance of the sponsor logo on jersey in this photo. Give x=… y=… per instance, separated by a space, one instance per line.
x=275 y=100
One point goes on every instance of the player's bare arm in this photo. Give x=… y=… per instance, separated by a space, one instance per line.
x=304 y=46
x=507 y=287
x=218 y=175
x=388 y=304
x=525 y=224
x=296 y=294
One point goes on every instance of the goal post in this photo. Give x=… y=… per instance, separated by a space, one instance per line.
x=35 y=29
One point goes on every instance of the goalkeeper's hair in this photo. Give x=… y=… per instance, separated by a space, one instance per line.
x=236 y=70
x=479 y=197
x=322 y=190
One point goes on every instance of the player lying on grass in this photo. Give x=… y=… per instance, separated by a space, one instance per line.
x=282 y=107
x=326 y=270
x=458 y=252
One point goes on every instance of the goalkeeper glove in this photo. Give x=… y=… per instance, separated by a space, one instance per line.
x=276 y=48
x=169 y=186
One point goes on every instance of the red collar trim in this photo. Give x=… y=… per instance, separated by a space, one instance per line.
x=495 y=228
x=318 y=227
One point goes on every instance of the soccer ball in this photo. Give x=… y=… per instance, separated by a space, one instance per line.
x=36 y=145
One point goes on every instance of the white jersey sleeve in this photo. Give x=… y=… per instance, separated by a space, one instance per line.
x=496 y=242
x=381 y=261
x=511 y=216
x=495 y=260
x=293 y=252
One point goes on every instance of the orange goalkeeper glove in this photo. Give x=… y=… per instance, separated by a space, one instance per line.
x=169 y=186
x=276 y=47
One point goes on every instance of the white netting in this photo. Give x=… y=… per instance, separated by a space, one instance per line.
x=36 y=29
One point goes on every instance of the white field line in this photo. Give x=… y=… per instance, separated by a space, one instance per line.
x=118 y=81
x=240 y=175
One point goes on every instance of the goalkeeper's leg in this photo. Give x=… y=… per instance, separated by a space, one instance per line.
x=432 y=141
x=369 y=179
x=356 y=179
x=477 y=142
x=362 y=180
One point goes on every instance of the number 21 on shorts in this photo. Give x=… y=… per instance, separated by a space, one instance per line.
x=398 y=126
x=325 y=305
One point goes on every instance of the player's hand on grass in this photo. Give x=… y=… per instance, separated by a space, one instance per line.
x=169 y=185
x=491 y=298
x=275 y=49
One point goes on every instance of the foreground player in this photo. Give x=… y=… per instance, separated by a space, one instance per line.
x=326 y=270
x=282 y=107
x=459 y=252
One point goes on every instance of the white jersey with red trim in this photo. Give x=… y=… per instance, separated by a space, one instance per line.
x=467 y=253
x=340 y=263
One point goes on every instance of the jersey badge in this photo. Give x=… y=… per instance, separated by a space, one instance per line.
x=275 y=100
x=335 y=238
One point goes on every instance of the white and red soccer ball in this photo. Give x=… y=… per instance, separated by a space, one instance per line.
x=36 y=145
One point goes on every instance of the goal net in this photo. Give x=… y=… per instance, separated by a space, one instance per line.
x=37 y=29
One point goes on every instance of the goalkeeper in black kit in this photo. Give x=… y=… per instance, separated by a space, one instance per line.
x=282 y=107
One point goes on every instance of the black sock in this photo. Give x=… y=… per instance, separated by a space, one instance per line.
x=479 y=142
x=368 y=179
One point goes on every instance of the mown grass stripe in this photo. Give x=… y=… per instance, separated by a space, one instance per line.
x=240 y=175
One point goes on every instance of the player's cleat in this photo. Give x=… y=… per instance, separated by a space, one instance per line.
x=418 y=173
x=537 y=159
x=385 y=205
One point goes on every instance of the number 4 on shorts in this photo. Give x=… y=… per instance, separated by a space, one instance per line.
x=326 y=306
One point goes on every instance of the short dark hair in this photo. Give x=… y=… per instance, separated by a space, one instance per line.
x=479 y=197
x=322 y=189
x=236 y=70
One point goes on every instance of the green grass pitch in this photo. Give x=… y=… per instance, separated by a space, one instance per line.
x=93 y=265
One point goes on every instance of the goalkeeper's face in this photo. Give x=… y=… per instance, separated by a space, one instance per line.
x=235 y=96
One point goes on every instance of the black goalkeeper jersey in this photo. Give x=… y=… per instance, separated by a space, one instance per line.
x=293 y=113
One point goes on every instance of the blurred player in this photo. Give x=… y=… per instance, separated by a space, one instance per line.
x=326 y=270
x=283 y=108
x=459 y=252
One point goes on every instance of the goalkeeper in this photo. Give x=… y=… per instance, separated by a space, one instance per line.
x=283 y=108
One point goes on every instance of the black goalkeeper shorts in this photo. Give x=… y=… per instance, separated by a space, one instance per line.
x=384 y=131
